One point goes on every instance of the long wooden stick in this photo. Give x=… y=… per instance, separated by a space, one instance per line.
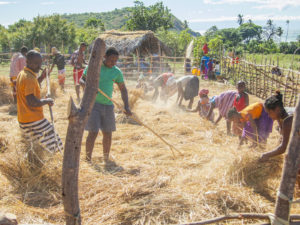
x=50 y=108
x=240 y=217
x=142 y=124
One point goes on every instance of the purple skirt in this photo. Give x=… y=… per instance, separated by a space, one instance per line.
x=264 y=127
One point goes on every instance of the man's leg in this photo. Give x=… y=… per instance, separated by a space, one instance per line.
x=77 y=89
x=228 y=125
x=191 y=103
x=89 y=145
x=107 y=136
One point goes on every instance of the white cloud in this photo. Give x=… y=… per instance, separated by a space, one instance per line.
x=47 y=3
x=246 y=17
x=261 y=4
x=6 y=3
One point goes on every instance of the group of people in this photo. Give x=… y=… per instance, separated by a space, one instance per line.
x=32 y=121
x=251 y=122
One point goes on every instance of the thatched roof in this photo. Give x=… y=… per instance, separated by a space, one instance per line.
x=128 y=42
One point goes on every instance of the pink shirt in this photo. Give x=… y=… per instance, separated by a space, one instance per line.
x=18 y=62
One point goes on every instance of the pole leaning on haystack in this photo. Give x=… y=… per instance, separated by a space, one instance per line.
x=77 y=120
x=290 y=170
x=142 y=124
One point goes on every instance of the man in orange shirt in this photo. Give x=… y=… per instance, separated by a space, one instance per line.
x=30 y=105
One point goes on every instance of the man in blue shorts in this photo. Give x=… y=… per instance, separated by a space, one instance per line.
x=102 y=116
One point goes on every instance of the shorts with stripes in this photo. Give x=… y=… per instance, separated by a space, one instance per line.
x=42 y=131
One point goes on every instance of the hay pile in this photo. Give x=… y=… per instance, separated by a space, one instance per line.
x=5 y=91
x=146 y=185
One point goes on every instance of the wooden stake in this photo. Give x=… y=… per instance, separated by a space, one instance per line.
x=290 y=170
x=77 y=120
x=240 y=216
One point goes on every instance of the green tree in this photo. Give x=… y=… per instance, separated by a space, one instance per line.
x=287 y=29
x=250 y=31
x=149 y=18
x=231 y=37
x=95 y=23
x=270 y=30
x=240 y=19
x=279 y=32
x=211 y=32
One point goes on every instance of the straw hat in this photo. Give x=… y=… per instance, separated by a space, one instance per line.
x=54 y=51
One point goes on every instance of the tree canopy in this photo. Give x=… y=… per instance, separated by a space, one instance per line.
x=149 y=18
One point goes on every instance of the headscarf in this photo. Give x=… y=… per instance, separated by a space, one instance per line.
x=203 y=92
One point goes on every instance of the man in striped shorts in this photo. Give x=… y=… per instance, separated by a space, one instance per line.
x=30 y=105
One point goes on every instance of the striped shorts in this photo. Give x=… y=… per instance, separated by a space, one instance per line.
x=42 y=131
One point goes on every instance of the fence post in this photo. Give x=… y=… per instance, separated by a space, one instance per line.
x=290 y=170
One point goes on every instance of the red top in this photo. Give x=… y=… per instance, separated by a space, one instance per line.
x=205 y=49
x=239 y=103
x=166 y=76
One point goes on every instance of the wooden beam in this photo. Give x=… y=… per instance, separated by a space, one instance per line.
x=240 y=216
x=290 y=170
x=77 y=120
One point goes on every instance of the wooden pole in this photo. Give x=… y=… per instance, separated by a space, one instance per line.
x=240 y=216
x=77 y=120
x=138 y=61
x=290 y=170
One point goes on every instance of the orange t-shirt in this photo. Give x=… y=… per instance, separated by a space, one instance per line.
x=254 y=110
x=27 y=84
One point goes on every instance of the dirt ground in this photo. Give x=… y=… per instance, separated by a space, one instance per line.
x=146 y=185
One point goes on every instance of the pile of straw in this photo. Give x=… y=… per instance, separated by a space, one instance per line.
x=5 y=91
x=146 y=185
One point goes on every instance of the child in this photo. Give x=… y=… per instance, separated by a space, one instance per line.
x=217 y=69
x=223 y=102
x=241 y=99
x=203 y=105
x=256 y=123
x=275 y=109
x=240 y=102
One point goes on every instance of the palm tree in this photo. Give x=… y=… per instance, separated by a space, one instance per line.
x=240 y=19
x=279 y=32
x=287 y=30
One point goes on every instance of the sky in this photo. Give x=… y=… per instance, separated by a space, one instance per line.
x=200 y=14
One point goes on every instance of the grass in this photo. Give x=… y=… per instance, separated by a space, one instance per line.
x=285 y=60
x=147 y=185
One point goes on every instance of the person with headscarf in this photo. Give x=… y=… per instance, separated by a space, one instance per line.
x=203 y=105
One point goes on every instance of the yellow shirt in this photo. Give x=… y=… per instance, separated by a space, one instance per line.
x=27 y=84
x=254 y=110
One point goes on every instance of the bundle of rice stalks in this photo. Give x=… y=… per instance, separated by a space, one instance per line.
x=3 y=144
x=6 y=96
x=134 y=95
x=33 y=174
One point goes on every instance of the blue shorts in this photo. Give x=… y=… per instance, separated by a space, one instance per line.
x=102 y=118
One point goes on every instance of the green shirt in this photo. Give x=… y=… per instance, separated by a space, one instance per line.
x=108 y=77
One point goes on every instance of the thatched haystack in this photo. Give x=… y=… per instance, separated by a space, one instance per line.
x=127 y=43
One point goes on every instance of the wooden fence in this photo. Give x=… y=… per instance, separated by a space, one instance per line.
x=258 y=76
x=262 y=80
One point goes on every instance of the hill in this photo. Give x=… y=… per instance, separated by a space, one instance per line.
x=115 y=19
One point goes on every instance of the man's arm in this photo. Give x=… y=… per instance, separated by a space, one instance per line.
x=197 y=109
x=124 y=95
x=211 y=109
x=246 y=99
x=42 y=76
x=33 y=101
